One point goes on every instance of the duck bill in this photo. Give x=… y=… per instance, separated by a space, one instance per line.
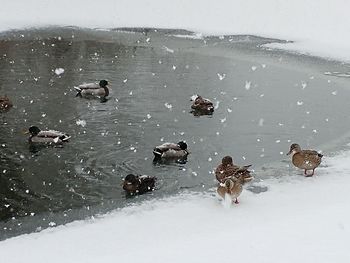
x=288 y=153
x=26 y=132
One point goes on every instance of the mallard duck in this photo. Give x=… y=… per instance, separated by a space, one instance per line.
x=5 y=104
x=167 y=151
x=305 y=159
x=47 y=137
x=201 y=105
x=138 y=184
x=233 y=186
x=93 y=89
x=227 y=170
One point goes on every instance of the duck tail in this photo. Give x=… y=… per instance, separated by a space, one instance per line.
x=79 y=90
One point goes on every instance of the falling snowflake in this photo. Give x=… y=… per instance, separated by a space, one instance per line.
x=221 y=76
x=59 y=71
x=247 y=85
x=168 y=105
x=81 y=123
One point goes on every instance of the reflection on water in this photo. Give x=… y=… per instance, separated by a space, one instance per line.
x=263 y=102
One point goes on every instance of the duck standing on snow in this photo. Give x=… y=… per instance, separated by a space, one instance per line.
x=46 y=137
x=231 y=178
x=233 y=186
x=138 y=184
x=5 y=104
x=227 y=170
x=170 y=151
x=305 y=159
x=93 y=89
x=201 y=106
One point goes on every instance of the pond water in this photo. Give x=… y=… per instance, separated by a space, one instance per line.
x=265 y=100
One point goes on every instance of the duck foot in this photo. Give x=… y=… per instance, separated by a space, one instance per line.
x=309 y=175
x=236 y=201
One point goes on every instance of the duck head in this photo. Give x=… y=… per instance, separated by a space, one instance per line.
x=104 y=84
x=294 y=148
x=182 y=145
x=227 y=161
x=34 y=130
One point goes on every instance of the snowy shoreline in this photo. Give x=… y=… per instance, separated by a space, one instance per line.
x=298 y=220
x=312 y=26
x=306 y=215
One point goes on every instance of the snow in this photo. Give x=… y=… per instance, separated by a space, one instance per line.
x=297 y=220
x=318 y=27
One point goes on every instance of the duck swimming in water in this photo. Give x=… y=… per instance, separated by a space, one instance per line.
x=305 y=159
x=93 y=89
x=5 y=104
x=201 y=106
x=170 y=151
x=138 y=184
x=47 y=137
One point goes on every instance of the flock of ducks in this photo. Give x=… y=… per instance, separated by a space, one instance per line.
x=230 y=177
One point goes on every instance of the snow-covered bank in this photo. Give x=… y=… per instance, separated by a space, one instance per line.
x=297 y=220
x=319 y=26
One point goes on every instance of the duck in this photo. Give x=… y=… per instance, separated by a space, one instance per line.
x=138 y=184
x=228 y=170
x=305 y=159
x=93 y=89
x=46 y=137
x=201 y=106
x=5 y=104
x=233 y=186
x=167 y=151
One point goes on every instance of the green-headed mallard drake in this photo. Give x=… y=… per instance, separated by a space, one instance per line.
x=233 y=186
x=305 y=159
x=138 y=184
x=5 y=104
x=93 y=89
x=227 y=170
x=46 y=137
x=201 y=106
x=170 y=151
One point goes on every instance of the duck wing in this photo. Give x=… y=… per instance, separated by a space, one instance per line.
x=89 y=86
x=166 y=147
x=53 y=134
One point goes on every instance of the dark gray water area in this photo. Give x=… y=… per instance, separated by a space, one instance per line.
x=264 y=99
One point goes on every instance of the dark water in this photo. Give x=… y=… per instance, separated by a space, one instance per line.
x=265 y=101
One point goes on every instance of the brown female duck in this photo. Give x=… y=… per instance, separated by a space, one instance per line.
x=227 y=170
x=305 y=159
x=233 y=186
x=138 y=184
x=201 y=106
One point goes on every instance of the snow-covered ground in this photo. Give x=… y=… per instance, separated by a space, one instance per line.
x=297 y=220
x=319 y=27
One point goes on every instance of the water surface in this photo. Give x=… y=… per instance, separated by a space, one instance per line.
x=265 y=100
